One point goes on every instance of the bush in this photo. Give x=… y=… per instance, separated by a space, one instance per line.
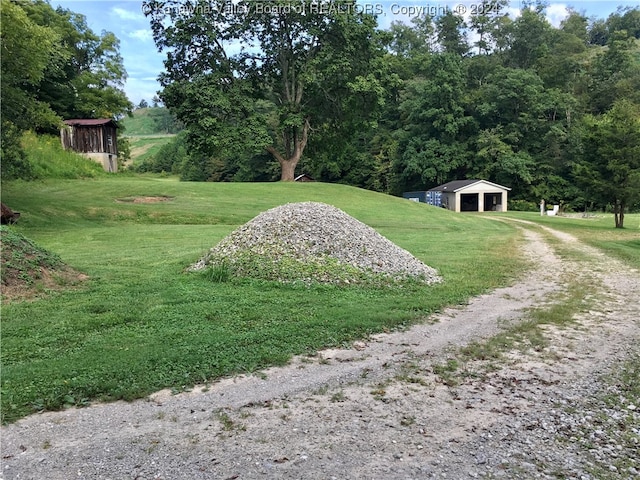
x=13 y=159
x=523 y=206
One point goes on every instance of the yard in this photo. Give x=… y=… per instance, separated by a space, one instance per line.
x=140 y=323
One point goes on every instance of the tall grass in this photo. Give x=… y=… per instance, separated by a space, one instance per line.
x=49 y=160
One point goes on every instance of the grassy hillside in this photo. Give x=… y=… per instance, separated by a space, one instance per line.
x=49 y=160
x=149 y=121
x=147 y=130
x=146 y=147
x=140 y=323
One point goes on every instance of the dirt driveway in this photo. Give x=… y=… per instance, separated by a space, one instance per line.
x=378 y=410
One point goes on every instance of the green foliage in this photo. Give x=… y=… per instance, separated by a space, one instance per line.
x=432 y=139
x=13 y=159
x=279 y=267
x=85 y=74
x=27 y=49
x=170 y=157
x=219 y=272
x=53 y=66
x=523 y=206
x=397 y=110
x=150 y=121
x=304 y=70
x=610 y=168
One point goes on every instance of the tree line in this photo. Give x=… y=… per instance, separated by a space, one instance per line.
x=552 y=112
x=318 y=88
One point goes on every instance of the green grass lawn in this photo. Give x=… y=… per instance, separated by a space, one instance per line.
x=140 y=323
x=598 y=231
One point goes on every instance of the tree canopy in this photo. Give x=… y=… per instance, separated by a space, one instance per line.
x=263 y=76
x=324 y=91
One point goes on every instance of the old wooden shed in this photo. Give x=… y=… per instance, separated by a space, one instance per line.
x=95 y=138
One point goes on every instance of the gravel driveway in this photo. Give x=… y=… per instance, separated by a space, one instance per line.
x=378 y=410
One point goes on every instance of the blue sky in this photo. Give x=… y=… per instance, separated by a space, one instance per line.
x=143 y=62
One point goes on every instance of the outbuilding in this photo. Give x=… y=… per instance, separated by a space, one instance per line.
x=465 y=196
x=95 y=138
x=303 y=178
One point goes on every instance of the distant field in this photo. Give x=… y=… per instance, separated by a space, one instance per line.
x=146 y=121
x=141 y=323
x=144 y=147
x=146 y=133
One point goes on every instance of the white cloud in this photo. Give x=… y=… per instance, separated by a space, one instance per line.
x=555 y=13
x=127 y=14
x=142 y=35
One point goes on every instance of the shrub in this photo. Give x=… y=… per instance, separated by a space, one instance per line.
x=523 y=206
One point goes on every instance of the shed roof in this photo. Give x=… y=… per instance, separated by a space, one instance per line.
x=303 y=176
x=457 y=185
x=90 y=122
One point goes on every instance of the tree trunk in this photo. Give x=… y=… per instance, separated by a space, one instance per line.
x=288 y=170
x=288 y=164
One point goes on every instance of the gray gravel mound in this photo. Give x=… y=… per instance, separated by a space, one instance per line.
x=312 y=241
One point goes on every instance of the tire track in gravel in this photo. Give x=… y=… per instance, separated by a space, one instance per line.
x=374 y=411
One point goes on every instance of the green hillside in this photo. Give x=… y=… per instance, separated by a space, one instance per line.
x=150 y=121
x=148 y=130
x=140 y=323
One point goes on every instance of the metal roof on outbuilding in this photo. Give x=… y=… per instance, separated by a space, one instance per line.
x=90 y=122
x=457 y=185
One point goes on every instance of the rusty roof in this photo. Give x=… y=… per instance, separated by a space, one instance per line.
x=89 y=121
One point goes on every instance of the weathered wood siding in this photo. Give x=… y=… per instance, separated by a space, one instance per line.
x=90 y=138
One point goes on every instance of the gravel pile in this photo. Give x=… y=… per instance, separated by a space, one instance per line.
x=313 y=241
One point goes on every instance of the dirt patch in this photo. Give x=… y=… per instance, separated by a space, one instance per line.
x=17 y=289
x=379 y=409
x=29 y=271
x=145 y=199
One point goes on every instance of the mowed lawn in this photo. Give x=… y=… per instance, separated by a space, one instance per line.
x=141 y=323
x=598 y=230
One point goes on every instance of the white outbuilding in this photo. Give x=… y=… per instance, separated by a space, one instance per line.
x=465 y=196
x=472 y=196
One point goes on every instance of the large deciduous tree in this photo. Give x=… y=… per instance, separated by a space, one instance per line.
x=251 y=76
x=610 y=167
